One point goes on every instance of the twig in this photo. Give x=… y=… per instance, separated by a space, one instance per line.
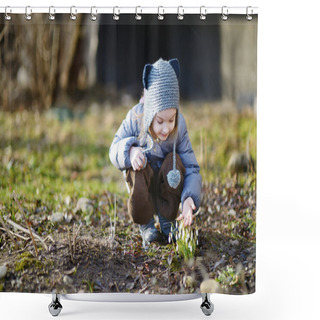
x=115 y=283
x=73 y=239
x=143 y=289
x=114 y=221
x=25 y=218
x=8 y=231
x=75 y=235
x=5 y=29
x=72 y=242
x=17 y=226
x=14 y=234
x=50 y=238
x=70 y=245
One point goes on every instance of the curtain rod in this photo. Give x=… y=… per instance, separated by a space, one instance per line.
x=139 y=10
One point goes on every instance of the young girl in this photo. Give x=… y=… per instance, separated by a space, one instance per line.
x=153 y=146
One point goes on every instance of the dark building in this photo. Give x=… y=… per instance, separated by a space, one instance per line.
x=127 y=45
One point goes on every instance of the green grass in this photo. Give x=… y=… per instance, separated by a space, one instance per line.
x=228 y=277
x=186 y=241
x=215 y=135
x=49 y=159
x=43 y=158
x=51 y=162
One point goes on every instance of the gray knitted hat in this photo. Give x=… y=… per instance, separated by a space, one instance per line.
x=161 y=84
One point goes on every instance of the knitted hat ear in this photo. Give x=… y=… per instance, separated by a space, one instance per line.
x=145 y=75
x=176 y=67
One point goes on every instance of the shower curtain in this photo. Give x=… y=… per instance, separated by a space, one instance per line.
x=67 y=83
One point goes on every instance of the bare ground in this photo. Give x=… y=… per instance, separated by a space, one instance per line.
x=91 y=259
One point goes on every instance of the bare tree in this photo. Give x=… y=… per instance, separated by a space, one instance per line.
x=41 y=60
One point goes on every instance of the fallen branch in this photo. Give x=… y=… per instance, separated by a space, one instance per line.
x=15 y=234
x=17 y=226
x=8 y=231
x=26 y=220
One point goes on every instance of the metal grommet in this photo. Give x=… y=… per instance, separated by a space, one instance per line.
x=93 y=13
x=28 y=13
x=52 y=12
x=7 y=11
x=116 y=13
x=160 y=14
x=249 y=15
x=224 y=13
x=203 y=13
x=138 y=14
x=180 y=13
x=73 y=13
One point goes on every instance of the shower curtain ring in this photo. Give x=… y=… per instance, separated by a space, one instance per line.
x=203 y=13
x=116 y=13
x=138 y=15
x=160 y=14
x=249 y=15
x=224 y=13
x=73 y=13
x=180 y=13
x=7 y=11
x=93 y=15
x=28 y=13
x=52 y=12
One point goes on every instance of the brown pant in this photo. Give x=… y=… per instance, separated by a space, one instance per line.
x=150 y=192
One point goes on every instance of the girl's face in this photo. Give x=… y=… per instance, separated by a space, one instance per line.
x=163 y=123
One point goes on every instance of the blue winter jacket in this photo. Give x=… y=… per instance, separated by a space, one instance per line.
x=127 y=136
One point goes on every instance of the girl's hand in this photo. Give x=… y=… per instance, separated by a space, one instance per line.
x=137 y=158
x=187 y=210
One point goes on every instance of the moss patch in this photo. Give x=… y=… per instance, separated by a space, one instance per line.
x=27 y=261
